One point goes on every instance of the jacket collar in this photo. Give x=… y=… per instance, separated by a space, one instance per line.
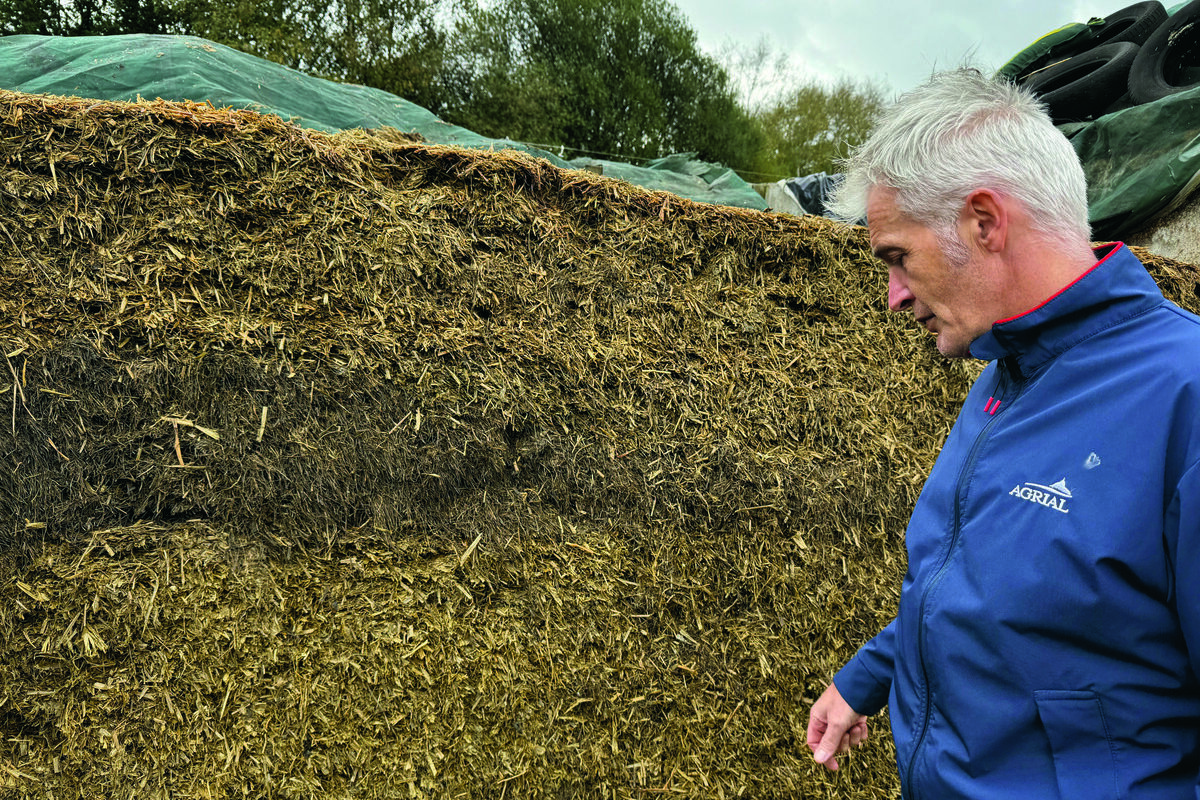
x=1115 y=288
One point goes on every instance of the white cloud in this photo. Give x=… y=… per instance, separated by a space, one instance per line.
x=893 y=42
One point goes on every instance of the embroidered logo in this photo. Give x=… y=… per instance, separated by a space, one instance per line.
x=1092 y=461
x=1053 y=496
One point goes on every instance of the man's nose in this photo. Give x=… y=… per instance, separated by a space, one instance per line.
x=899 y=297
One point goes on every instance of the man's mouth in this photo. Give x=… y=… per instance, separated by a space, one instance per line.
x=926 y=320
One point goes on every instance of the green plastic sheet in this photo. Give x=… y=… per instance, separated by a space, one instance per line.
x=1141 y=162
x=146 y=66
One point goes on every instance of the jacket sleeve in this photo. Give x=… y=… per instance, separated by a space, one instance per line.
x=866 y=680
x=1183 y=540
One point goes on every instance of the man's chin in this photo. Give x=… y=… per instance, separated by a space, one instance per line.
x=952 y=348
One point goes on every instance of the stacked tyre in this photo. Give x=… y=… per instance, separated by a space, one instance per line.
x=1137 y=55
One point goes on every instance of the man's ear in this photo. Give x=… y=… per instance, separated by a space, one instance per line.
x=984 y=220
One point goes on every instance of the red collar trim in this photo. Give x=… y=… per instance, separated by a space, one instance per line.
x=1114 y=247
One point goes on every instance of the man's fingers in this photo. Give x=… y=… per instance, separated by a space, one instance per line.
x=832 y=745
x=831 y=741
x=826 y=754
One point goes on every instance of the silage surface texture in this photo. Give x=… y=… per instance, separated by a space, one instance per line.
x=343 y=466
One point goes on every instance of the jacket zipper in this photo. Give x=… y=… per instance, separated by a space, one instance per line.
x=1003 y=383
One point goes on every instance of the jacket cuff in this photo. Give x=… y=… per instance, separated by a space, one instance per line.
x=865 y=693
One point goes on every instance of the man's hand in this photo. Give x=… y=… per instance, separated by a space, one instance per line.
x=834 y=727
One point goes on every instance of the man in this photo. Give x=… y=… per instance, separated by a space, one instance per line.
x=1047 y=643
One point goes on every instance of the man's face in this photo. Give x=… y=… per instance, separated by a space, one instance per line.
x=949 y=294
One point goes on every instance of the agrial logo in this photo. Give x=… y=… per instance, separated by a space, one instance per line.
x=1053 y=496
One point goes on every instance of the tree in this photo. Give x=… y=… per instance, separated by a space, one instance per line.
x=395 y=45
x=806 y=124
x=86 y=17
x=623 y=78
x=813 y=125
x=42 y=17
x=758 y=73
x=284 y=31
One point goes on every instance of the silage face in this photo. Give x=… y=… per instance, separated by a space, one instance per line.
x=342 y=466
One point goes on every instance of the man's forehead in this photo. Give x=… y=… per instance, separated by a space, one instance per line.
x=881 y=213
x=884 y=216
x=881 y=202
x=891 y=232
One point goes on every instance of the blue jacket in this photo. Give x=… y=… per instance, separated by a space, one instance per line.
x=1047 y=643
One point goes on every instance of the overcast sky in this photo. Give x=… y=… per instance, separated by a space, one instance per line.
x=895 y=43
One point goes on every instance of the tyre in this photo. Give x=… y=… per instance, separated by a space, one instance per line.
x=1135 y=23
x=1169 y=61
x=1084 y=86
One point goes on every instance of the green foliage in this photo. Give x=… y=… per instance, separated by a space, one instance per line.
x=86 y=17
x=32 y=16
x=812 y=126
x=806 y=125
x=395 y=45
x=624 y=77
x=283 y=31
